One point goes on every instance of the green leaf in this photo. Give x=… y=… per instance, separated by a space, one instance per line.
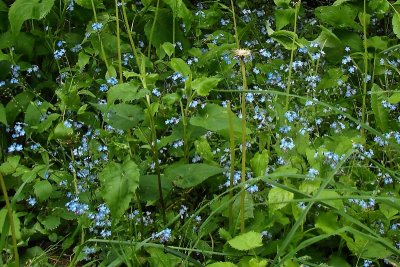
x=285 y=38
x=380 y=113
x=177 y=64
x=332 y=195
x=118 y=185
x=328 y=39
x=329 y=15
x=395 y=98
x=159 y=258
x=396 y=24
x=388 y=211
x=283 y=17
x=88 y=3
x=124 y=116
x=204 y=85
x=259 y=163
x=125 y=92
x=367 y=248
x=4 y=219
x=246 y=241
x=282 y=3
x=203 y=148
x=169 y=48
x=43 y=190
x=22 y=10
x=10 y=165
x=51 y=222
x=61 y=131
x=277 y=195
x=215 y=118
x=3 y=117
x=189 y=175
x=327 y=222
x=83 y=60
x=148 y=187
x=222 y=264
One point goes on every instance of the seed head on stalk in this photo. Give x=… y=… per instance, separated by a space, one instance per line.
x=242 y=53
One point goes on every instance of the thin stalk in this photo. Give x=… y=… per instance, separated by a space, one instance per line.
x=152 y=28
x=153 y=144
x=11 y=221
x=243 y=173
x=173 y=24
x=232 y=166
x=365 y=56
x=185 y=139
x=234 y=24
x=103 y=52
x=289 y=80
x=118 y=43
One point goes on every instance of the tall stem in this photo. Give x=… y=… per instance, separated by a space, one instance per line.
x=364 y=97
x=232 y=166
x=118 y=43
x=243 y=172
x=11 y=220
x=289 y=80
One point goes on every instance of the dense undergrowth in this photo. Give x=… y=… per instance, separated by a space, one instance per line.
x=189 y=133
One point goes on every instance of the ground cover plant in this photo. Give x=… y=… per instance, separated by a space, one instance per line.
x=199 y=133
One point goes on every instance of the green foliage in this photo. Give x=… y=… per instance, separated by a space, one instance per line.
x=119 y=182
x=247 y=241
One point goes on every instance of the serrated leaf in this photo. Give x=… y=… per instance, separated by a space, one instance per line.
x=3 y=117
x=204 y=85
x=259 y=163
x=177 y=64
x=125 y=92
x=51 y=222
x=222 y=264
x=395 y=98
x=278 y=198
x=118 y=185
x=10 y=165
x=22 y=10
x=189 y=175
x=246 y=241
x=43 y=190
x=380 y=113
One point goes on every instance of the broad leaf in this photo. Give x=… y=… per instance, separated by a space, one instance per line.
x=3 y=117
x=118 y=185
x=43 y=189
x=177 y=64
x=204 y=85
x=380 y=113
x=189 y=175
x=259 y=163
x=247 y=241
x=396 y=24
x=278 y=198
x=22 y=10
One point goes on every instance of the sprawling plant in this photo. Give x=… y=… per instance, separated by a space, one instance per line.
x=199 y=133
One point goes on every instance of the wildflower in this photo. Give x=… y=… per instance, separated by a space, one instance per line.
x=103 y=88
x=164 y=235
x=31 y=201
x=97 y=26
x=252 y=189
x=112 y=81
x=59 y=53
x=312 y=173
x=242 y=53
x=156 y=92
x=287 y=143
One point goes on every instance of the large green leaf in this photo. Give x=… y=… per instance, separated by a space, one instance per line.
x=177 y=64
x=259 y=163
x=3 y=116
x=118 y=185
x=189 y=175
x=204 y=85
x=341 y=16
x=278 y=198
x=22 y=10
x=380 y=113
x=125 y=92
x=215 y=118
x=246 y=241
x=124 y=116
x=148 y=187
x=396 y=24
x=43 y=189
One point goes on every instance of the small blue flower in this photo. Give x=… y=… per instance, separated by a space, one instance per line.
x=164 y=235
x=156 y=92
x=287 y=143
x=103 y=88
x=112 y=81
x=59 y=53
x=252 y=189
x=31 y=201
x=97 y=26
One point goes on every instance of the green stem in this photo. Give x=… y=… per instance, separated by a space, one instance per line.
x=118 y=43
x=103 y=52
x=152 y=28
x=185 y=139
x=232 y=166
x=289 y=81
x=11 y=221
x=153 y=144
x=365 y=56
x=234 y=24
x=243 y=173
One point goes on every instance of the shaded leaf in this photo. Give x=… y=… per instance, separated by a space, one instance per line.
x=189 y=175
x=43 y=189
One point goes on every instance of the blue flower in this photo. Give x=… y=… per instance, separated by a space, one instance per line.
x=59 y=53
x=97 y=26
x=112 y=81
x=287 y=143
x=31 y=201
x=103 y=88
